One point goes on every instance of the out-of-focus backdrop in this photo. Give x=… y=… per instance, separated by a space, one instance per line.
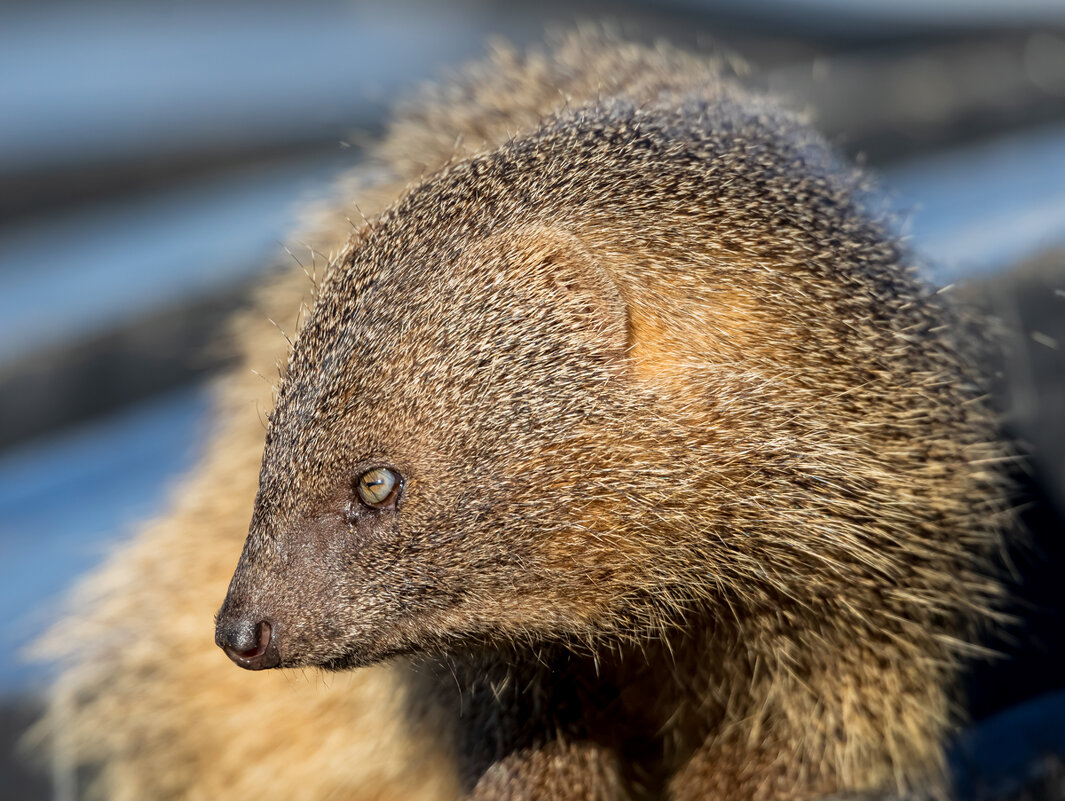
x=154 y=156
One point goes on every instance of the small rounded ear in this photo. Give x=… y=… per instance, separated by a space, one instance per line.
x=559 y=263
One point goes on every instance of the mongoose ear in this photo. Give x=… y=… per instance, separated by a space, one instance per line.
x=559 y=267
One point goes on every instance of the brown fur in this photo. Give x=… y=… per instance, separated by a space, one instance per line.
x=699 y=492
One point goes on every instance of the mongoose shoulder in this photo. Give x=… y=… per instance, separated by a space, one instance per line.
x=631 y=440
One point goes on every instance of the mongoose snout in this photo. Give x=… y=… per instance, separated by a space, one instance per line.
x=250 y=644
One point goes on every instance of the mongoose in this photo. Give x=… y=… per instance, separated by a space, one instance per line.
x=621 y=454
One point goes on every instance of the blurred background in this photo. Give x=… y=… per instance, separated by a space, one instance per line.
x=154 y=156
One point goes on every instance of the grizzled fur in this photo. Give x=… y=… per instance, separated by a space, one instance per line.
x=698 y=495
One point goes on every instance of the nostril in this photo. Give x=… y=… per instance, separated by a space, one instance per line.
x=262 y=641
x=252 y=646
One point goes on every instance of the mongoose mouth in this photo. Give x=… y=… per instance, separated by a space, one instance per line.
x=358 y=658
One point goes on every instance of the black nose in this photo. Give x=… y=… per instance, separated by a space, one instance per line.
x=250 y=644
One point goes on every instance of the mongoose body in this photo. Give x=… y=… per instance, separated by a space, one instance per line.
x=629 y=443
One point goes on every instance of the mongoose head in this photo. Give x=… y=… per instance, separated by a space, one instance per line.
x=433 y=461
x=430 y=466
x=645 y=360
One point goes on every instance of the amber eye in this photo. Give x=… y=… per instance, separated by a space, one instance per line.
x=378 y=488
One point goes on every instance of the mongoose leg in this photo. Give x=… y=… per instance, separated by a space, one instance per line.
x=558 y=771
x=735 y=771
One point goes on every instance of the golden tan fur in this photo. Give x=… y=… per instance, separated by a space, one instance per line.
x=776 y=552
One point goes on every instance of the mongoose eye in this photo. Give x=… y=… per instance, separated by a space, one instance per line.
x=378 y=488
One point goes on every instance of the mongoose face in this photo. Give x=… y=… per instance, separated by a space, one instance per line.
x=427 y=478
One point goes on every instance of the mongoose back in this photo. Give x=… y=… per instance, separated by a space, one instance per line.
x=628 y=439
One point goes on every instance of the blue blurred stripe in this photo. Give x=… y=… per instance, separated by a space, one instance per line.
x=983 y=207
x=83 y=81
x=67 y=277
x=65 y=501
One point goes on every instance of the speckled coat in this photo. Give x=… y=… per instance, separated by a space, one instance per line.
x=698 y=493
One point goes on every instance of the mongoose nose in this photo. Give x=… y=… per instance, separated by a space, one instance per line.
x=251 y=645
